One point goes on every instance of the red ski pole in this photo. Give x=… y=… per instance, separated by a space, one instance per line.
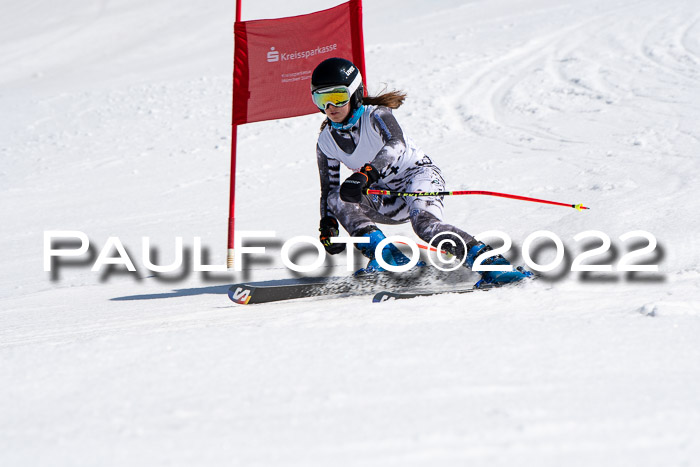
x=368 y=191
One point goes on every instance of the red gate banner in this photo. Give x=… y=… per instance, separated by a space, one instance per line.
x=274 y=59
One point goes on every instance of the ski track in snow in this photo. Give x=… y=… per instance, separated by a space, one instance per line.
x=115 y=120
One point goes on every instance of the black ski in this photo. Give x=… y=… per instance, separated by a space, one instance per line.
x=385 y=286
x=389 y=295
x=249 y=293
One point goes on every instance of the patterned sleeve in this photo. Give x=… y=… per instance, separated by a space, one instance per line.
x=389 y=158
x=329 y=172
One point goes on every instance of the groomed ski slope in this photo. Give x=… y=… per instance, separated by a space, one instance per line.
x=115 y=121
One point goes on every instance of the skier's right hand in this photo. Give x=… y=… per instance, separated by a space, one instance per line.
x=329 y=228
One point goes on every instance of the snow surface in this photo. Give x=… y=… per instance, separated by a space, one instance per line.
x=115 y=121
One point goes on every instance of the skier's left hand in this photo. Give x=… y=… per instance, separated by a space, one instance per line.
x=329 y=228
x=353 y=187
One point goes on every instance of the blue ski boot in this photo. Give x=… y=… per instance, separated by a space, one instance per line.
x=390 y=254
x=494 y=277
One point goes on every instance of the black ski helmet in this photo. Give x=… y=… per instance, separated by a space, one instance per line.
x=338 y=71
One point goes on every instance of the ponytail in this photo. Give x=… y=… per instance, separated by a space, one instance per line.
x=391 y=99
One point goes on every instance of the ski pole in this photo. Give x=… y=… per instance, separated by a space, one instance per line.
x=368 y=191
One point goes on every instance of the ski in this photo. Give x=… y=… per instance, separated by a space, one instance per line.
x=400 y=295
x=385 y=286
x=250 y=293
x=385 y=295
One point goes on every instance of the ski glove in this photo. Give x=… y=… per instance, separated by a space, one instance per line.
x=353 y=187
x=329 y=228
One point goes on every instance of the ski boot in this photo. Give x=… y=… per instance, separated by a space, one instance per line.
x=390 y=254
x=494 y=277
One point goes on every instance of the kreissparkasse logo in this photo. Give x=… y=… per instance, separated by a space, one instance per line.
x=273 y=55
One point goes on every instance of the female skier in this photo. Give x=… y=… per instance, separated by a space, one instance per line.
x=362 y=133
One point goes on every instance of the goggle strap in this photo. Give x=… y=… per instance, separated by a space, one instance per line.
x=355 y=83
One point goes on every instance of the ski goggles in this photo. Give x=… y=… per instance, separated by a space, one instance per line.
x=337 y=96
